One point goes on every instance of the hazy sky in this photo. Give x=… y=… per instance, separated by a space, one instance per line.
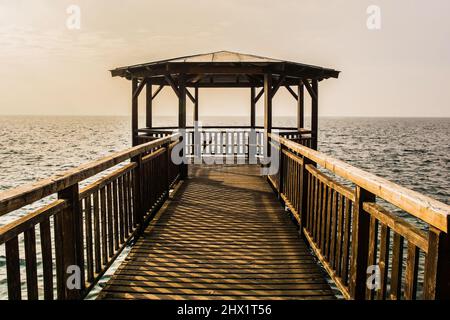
x=402 y=69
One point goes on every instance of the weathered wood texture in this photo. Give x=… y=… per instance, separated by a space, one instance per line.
x=351 y=234
x=223 y=236
x=90 y=226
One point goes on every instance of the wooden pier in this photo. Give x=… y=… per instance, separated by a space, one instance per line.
x=223 y=235
x=226 y=232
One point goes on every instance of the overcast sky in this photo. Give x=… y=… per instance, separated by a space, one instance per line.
x=402 y=69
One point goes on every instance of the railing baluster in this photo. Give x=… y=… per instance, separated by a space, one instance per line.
x=397 y=268
x=103 y=224
x=384 y=261
x=110 y=219
x=328 y=226
x=47 y=263
x=13 y=269
x=97 y=248
x=88 y=228
x=340 y=233
x=412 y=268
x=116 y=215
x=372 y=255
x=346 y=243
x=333 y=229
x=31 y=265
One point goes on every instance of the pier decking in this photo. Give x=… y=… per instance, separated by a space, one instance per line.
x=224 y=235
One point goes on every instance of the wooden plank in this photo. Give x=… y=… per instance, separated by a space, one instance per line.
x=411 y=273
x=103 y=226
x=20 y=225
x=110 y=222
x=397 y=268
x=31 y=264
x=398 y=225
x=88 y=237
x=221 y=247
x=13 y=269
x=372 y=255
x=97 y=245
x=116 y=229
x=334 y=229
x=346 y=244
x=47 y=261
x=384 y=261
x=340 y=233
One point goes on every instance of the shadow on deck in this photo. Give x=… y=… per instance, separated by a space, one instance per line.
x=224 y=235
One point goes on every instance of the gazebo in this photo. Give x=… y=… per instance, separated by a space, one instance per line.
x=225 y=69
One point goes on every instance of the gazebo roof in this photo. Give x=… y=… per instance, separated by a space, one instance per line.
x=224 y=69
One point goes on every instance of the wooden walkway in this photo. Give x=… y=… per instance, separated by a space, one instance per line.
x=223 y=236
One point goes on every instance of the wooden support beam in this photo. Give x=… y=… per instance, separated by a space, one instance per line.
x=291 y=92
x=278 y=85
x=70 y=223
x=267 y=112
x=259 y=95
x=360 y=247
x=172 y=83
x=314 y=113
x=196 y=105
x=191 y=97
x=138 y=90
x=301 y=107
x=252 y=108
x=134 y=112
x=157 y=91
x=310 y=89
x=149 y=105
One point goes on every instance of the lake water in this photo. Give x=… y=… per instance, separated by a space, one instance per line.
x=412 y=152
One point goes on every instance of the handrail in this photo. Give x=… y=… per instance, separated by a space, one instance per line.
x=90 y=226
x=16 y=198
x=350 y=232
x=423 y=207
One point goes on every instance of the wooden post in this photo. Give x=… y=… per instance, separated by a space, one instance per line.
x=301 y=106
x=314 y=114
x=182 y=120
x=267 y=112
x=70 y=224
x=437 y=266
x=360 y=241
x=252 y=107
x=149 y=105
x=134 y=112
x=196 y=105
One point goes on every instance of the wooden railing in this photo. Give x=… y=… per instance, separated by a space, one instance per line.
x=237 y=141
x=84 y=229
x=355 y=233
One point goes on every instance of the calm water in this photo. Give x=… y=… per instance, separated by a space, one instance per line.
x=412 y=152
